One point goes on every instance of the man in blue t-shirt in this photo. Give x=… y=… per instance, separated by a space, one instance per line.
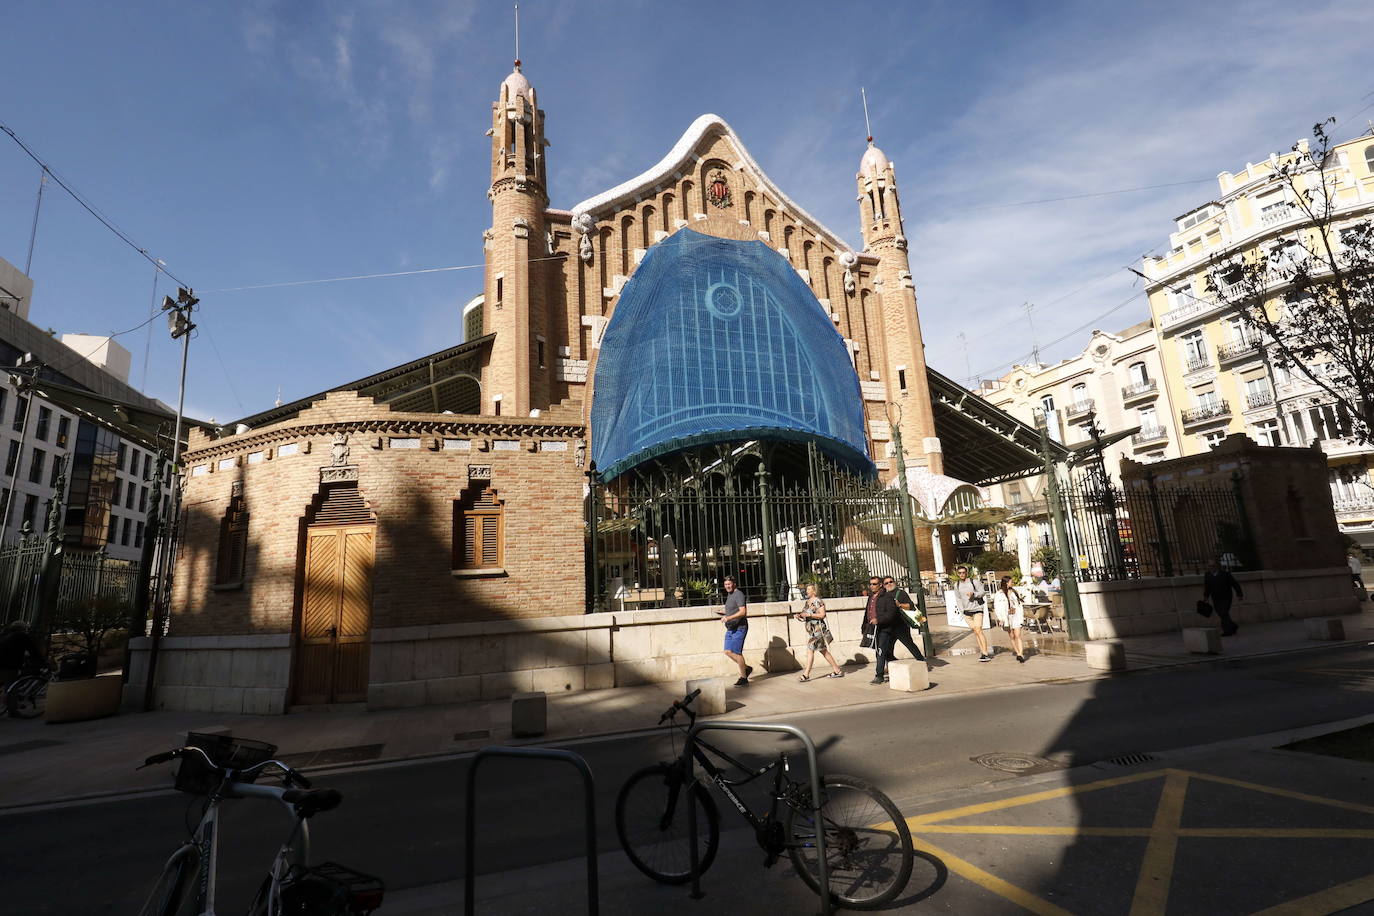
x=736 y=620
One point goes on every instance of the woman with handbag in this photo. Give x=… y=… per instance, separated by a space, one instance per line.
x=818 y=635
x=1008 y=612
x=970 y=595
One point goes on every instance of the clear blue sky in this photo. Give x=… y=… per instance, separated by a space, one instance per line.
x=260 y=142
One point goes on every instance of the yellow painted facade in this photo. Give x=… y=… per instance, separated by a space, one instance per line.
x=1219 y=378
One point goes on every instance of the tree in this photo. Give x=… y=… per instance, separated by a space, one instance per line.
x=1308 y=298
x=995 y=561
x=1048 y=558
x=86 y=624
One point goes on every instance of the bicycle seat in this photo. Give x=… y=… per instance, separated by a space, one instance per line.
x=309 y=802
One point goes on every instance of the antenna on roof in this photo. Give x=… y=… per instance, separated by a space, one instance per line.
x=1035 y=344
x=868 y=128
x=517 y=36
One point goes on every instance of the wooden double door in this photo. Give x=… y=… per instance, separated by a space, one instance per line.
x=336 y=614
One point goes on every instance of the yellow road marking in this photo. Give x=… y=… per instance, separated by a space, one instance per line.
x=1019 y=896
x=1331 y=900
x=1157 y=868
x=993 y=830
x=1284 y=793
x=1016 y=801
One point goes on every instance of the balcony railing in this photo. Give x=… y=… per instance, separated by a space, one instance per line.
x=1174 y=316
x=1150 y=434
x=1259 y=399
x=1194 y=363
x=1079 y=408
x=1361 y=504
x=1140 y=389
x=1028 y=508
x=1272 y=216
x=1237 y=349
x=1207 y=412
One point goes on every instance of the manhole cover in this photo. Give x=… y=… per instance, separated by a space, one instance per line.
x=1020 y=764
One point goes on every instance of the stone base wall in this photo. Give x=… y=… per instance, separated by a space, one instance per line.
x=1139 y=606
x=452 y=663
x=228 y=674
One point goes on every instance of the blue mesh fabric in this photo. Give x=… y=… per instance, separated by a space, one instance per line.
x=717 y=340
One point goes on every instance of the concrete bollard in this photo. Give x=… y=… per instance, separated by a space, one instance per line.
x=1106 y=656
x=1202 y=640
x=712 y=699
x=1324 y=628
x=529 y=714
x=908 y=675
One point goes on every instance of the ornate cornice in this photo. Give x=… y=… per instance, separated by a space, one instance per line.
x=524 y=185
x=455 y=428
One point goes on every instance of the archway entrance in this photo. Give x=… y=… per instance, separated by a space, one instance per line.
x=332 y=641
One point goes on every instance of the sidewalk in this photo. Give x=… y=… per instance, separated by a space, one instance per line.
x=45 y=763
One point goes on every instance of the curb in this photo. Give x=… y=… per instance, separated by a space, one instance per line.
x=113 y=795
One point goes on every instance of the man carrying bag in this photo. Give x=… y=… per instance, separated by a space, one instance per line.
x=893 y=627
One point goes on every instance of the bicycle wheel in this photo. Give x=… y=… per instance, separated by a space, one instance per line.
x=867 y=843
x=27 y=696
x=174 y=893
x=658 y=845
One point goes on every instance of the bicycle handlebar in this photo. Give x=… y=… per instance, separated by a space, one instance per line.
x=289 y=776
x=679 y=705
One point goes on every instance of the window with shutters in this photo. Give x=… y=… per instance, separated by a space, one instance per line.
x=233 y=543
x=479 y=531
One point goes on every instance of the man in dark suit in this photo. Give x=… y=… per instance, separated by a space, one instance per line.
x=893 y=627
x=1217 y=585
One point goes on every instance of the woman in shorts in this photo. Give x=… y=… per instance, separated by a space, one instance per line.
x=1008 y=613
x=818 y=635
x=969 y=596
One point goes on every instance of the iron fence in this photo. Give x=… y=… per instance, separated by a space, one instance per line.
x=667 y=538
x=85 y=577
x=1151 y=530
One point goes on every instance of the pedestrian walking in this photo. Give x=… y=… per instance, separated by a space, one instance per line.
x=892 y=627
x=818 y=635
x=1357 y=576
x=735 y=616
x=902 y=634
x=869 y=630
x=969 y=596
x=1217 y=585
x=1008 y=612
x=18 y=650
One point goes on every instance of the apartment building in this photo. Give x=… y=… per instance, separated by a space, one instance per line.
x=1219 y=377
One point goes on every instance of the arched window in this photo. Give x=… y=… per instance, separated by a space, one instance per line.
x=668 y=212
x=233 y=540
x=1138 y=374
x=1080 y=395
x=686 y=200
x=768 y=222
x=749 y=206
x=479 y=529
x=626 y=243
x=1369 y=157
x=647 y=224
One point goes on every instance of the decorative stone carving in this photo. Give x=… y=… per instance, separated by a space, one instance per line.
x=337 y=474
x=479 y=472
x=338 y=450
x=849 y=260
x=521 y=227
x=236 y=489
x=580 y=455
x=583 y=225
x=718 y=189
x=548 y=241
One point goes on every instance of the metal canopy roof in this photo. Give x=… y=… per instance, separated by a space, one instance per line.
x=984 y=444
x=446 y=381
x=150 y=427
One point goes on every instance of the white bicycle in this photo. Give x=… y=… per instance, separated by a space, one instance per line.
x=220 y=767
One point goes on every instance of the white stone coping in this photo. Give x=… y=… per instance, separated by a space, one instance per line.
x=1255 y=576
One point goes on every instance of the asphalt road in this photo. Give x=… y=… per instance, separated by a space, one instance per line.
x=405 y=822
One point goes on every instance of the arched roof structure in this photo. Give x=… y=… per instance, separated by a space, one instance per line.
x=719 y=340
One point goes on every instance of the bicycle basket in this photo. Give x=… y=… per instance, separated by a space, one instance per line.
x=328 y=889
x=195 y=777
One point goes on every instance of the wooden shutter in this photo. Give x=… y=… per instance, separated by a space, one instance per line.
x=479 y=532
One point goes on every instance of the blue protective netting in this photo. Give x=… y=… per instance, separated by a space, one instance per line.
x=717 y=340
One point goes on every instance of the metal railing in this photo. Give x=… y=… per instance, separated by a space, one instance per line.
x=588 y=810
x=1149 y=434
x=1079 y=408
x=1206 y=412
x=1149 y=386
x=816 y=798
x=1197 y=363
x=1236 y=349
x=1259 y=399
x=1183 y=312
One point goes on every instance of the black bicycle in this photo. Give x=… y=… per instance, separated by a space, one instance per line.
x=867 y=843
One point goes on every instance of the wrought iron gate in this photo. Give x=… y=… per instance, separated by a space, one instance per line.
x=775 y=516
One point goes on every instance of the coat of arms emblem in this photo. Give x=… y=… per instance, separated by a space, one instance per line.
x=718 y=189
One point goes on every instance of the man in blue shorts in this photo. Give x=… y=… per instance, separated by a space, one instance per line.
x=736 y=620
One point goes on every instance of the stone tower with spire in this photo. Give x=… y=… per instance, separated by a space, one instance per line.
x=516 y=378
x=903 y=358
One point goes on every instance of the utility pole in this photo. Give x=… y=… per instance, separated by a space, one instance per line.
x=1068 y=572
x=909 y=528
x=33 y=231
x=180 y=325
x=1035 y=344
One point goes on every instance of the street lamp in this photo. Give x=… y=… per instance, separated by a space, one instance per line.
x=179 y=324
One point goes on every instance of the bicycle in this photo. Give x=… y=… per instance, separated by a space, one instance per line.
x=27 y=695
x=220 y=767
x=867 y=843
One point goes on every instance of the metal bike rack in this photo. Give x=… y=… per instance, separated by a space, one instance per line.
x=801 y=736
x=589 y=811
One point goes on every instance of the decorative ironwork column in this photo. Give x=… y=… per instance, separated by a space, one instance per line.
x=1166 y=558
x=909 y=537
x=593 y=515
x=1073 y=607
x=770 y=571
